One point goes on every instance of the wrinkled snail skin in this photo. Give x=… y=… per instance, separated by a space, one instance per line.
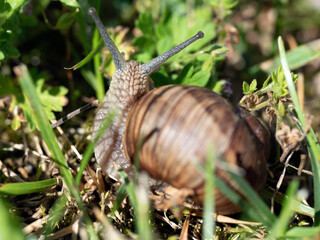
x=171 y=128
x=124 y=90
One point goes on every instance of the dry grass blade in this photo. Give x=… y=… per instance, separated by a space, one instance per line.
x=36 y=225
x=184 y=230
x=225 y=219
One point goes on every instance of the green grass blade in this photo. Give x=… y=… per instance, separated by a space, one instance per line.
x=254 y=206
x=58 y=209
x=43 y=124
x=10 y=228
x=83 y=36
x=27 y=187
x=47 y=134
x=254 y=200
x=296 y=58
x=89 y=57
x=208 y=227
x=303 y=232
x=312 y=142
x=138 y=195
x=262 y=215
x=100 y=90
x=280 y=226
x=281 y=198
x=121 y=194
x=89 y=150
x=89 y=77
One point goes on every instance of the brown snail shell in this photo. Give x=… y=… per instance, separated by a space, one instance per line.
x=176 y=124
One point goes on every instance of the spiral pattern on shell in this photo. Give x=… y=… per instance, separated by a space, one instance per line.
x=175 y=125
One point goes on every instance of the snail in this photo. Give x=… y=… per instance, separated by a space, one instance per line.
x=170 y=128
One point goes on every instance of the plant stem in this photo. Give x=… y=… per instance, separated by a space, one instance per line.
x=260 y=105
x=312 y=142
x=100 y=89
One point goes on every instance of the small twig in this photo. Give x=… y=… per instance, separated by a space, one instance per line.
x=260 y=105
x=37 y=154
x=94 y=103
x=26 y=148
x=74 y=149
x=74 y=228
x=45 y=147
x=35 y=225
x=279 y=183
x=37 y=144
x=164 y=218
x=9 y=173
x=303 y=160
x=302 y=170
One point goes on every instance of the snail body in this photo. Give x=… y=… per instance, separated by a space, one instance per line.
x=170 y=128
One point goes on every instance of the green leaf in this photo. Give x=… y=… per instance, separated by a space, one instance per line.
x=278 y=85
x=10 y=51
x=12 y=22
x=253 y=86
x=1 y=55
x=163 y=44
x=4 y=36
x=219 y=86
x=52 y=98
x=198 y=79
x=274 y=77
x=144 y=23
x=209 y=63
x=15 y=5
x=171 y=31
x=71 y=3
x=4 y=10
x=65 y=21
x=27 y=187
x=10 y=228
x=161 y=79
x=265 y=83
x=245 y=88
x=15 y=123
x=186 y=73
x=296 y=58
